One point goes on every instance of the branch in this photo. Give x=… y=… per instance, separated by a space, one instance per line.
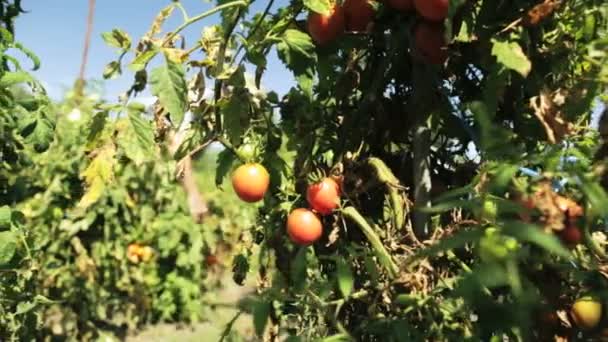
x=220 y=66
x=201 y=17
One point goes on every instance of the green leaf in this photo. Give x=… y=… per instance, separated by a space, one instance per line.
x=299 y=42
x=597 y=198
x=346 y=280
x=8 y=247
x=142 y=59
x=261 y=312
x=534 y=234
x=117 y=38
x=319 y=6
x=225 y=160
x=299 y=267
x=38 y=131
x=112 y=70
x=236 y=114
x=143 y=129
x=511 y=55
x=169 y=85
x=297 y=51
x=5 y=217
x=12 y=78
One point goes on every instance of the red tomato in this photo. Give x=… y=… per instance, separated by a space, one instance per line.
x=359 y=14
x=571 y=235
x=430 y=42
x=400 y=5
x=434 y=10
x=324 y=196
x=250 y=182
x=325 y=28
x=304 y=227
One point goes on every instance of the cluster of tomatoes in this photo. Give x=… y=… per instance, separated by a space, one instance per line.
x=250 y=182
x=358 y=15
x=137 y=253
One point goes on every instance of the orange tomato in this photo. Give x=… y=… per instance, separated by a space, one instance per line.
x=326 y=28
x=304 y=227
x=133 y=252
x=433 y=10
x=324 y=197
x=430 y=42
x=250 y=182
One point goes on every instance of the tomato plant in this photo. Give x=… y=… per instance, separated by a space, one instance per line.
x=462 y=135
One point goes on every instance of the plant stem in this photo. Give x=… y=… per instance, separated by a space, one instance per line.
x=219 y=66
x=203 y=16
x=384 y=257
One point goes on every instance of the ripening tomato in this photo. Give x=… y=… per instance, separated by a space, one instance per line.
x=571 y=235
x=359 y=15
x=324 y=197
x=133 y=252
x=146 y=253
x=250 y=182
x=400 y=5
x=325 y=28
x=434 y=10
x=304 y=227
x=586 y=312
x=430 y=42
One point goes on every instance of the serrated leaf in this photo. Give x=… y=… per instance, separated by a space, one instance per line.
x=235 y=112
x=8 y=247
x=141 y=60
x=5 y=217
x=117 y=38
x=169 y=85
x=346 y=280
x=299 y=42
x=225 y=160
x=297 y=51
x=261 y=312
x=97 y=175
x=38 y=132
x=143 y=129
x=511 y=55
x=319 y=6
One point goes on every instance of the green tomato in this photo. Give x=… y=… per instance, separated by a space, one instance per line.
x=247 y=152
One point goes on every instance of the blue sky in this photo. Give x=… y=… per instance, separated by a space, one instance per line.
x=54 y=30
